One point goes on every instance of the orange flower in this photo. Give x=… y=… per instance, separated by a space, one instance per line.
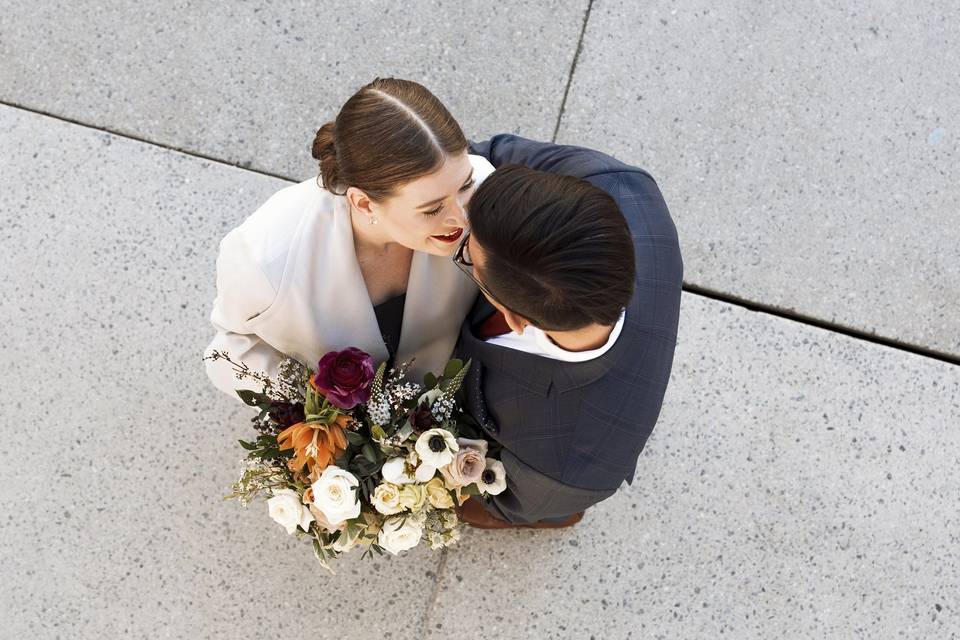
x=314 y=445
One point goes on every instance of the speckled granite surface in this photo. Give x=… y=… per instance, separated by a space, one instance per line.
x=251 y=82
x=810 y=155
x=799 y=484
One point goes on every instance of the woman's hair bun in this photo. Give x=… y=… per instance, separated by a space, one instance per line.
x=324 y=150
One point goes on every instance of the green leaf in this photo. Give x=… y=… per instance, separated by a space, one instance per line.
x=405 y=431
x=369 y=453
x=355 y=438
x=376 y=431
x=362 y=466
x=429 y=381
x=471 y=489
x=249 y=397
x=453 y=368
x=249 y=446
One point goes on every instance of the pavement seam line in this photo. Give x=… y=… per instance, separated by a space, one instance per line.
x=153 y=143
x=832 y=327
x=573 y=69
x=434 y=594
x=689 y=288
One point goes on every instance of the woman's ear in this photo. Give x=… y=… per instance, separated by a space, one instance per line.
x=359 y=201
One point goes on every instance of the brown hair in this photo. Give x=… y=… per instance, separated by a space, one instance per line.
x=388 y=133
x=557 y=249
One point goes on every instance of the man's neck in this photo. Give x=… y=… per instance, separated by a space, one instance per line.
x=586 y=339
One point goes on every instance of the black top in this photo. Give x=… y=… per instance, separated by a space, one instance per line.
x=390 y=319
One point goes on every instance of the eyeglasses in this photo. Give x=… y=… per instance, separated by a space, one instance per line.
x=462 y=259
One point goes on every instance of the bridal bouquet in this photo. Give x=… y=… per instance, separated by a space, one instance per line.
x=352 y=456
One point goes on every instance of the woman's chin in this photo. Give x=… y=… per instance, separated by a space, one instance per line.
x=438 y=248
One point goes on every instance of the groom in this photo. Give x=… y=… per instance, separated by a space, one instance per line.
x=573 y=340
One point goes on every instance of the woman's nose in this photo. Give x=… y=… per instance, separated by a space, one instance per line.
x=458 y=212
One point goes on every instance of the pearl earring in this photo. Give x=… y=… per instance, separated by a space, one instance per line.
x=373 y=220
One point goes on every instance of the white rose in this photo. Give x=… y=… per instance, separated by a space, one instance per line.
x=395 y=537
x=436 y=447
x=386 y=499
x=493 y=480
x=335 y=494
x=394 y=471
x=288 y=510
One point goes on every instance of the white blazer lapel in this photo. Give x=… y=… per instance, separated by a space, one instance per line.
x=439 y=296
x=344 y=314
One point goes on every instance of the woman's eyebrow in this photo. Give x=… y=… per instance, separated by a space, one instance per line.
x=433 y=202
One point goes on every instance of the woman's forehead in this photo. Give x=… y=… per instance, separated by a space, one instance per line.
x=452 y=174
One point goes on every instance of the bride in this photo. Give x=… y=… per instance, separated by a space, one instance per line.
x=362 y=259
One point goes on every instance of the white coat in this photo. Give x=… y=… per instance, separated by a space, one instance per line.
x=288 y=282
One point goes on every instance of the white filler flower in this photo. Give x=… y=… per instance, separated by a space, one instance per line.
x=288 y=510
x=335 y=494
x=436 y=447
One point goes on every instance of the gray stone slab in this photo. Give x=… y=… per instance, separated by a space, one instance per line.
x=799 y=484
x=809 y=154
x=116 y=449
x=250 y=83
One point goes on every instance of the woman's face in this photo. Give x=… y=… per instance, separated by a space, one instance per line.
x=429 y=214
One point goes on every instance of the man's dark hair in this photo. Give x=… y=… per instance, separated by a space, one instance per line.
x=557 y=249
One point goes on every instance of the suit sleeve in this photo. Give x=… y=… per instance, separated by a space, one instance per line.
x=243 y=292
x=531 y=496
x=569 y=160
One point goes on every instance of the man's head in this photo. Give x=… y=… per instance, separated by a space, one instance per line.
x=551 y=250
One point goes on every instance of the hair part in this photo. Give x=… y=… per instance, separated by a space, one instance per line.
x=557 y=250
x=388 y=133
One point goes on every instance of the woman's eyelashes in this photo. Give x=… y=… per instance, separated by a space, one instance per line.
x=436 y=211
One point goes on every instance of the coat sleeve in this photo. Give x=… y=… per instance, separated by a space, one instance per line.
x=243 y=292
x=531 y=496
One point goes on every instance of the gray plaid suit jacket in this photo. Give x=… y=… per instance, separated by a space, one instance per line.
x=572 y=432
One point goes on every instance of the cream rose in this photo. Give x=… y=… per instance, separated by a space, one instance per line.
x=395 y=537
x=386 y=499
x=467 y=465
x=335 y=494
x=437 y=494
x=413 y=497
x=288 y=510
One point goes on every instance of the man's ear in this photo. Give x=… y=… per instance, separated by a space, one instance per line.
x=515 y=321
x=360 y=201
